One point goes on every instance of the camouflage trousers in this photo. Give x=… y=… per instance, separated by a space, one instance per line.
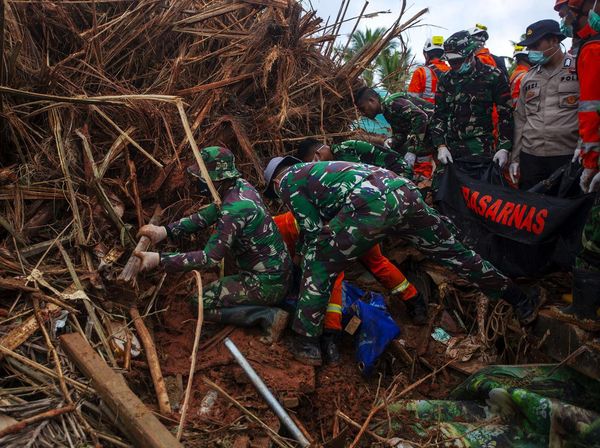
x=245 y=288
x=366 y=219
x=472 y=146
x=589 y=257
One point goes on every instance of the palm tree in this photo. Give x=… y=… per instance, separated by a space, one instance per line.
x=393 y=68
x=390 y=67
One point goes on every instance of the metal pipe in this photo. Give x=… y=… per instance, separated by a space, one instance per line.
x=266 y=394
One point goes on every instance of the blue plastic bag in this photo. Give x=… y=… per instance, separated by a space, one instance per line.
x=377 y=327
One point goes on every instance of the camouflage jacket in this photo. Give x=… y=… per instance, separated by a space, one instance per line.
x=315 y=192
x=464 y=105
x=243 y=225
x=409 y=118
x=363 y=152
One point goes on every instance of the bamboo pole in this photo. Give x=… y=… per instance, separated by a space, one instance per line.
x=188 y=389
x=153 y=363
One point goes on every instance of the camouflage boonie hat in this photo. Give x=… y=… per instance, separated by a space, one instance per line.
x=460 y=45
x=220 y=163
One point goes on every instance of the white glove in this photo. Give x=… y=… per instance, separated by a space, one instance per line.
x=155 y=233
x=586 y=178
x=595 y=183
x=149 y=260
x=388 y=143
x=444 y=155
x=513 y=171
x=410 y=158
x=501 y=157
x=576 y=156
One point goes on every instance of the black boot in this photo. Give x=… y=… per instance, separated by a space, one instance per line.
x=272 y=320
x=417 y=309
x=586 y=300
x=306 y=350
x=525 y=306
x=330 y=345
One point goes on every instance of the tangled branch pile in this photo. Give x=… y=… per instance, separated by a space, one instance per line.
x=95 y=97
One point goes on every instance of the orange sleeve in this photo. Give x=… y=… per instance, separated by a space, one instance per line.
x=417 y=83
x=286 y=223
x=589 y=103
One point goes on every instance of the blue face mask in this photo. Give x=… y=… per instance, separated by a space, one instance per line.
x=594 y=18
x=567 y=30
x=538 y=57
x=464 y=68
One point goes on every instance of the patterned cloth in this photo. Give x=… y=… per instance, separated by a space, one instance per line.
x=589 y=257
x=244 y=227
x=361 y=206
x=463 y=115
x=509 y=406
x=409 y=117
x=363 y=152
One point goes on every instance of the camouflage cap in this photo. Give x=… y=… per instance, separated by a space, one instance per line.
x=220 y=163
x=460 y=45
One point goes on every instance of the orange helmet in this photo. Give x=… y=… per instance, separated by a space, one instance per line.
x=576 y=4
x=559 y=4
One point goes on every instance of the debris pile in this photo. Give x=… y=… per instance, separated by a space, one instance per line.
x=102 y=107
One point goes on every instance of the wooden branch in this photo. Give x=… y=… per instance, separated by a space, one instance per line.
x=188 y=389
x=153 y=363
x=14 y=338
x=36 y=418
x=140 y=425
x=132 y=267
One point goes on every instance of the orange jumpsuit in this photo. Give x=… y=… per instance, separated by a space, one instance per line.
x=515 y=82
x=588 y=72
x=382 y=268
x=424 y=80
x=484 y=55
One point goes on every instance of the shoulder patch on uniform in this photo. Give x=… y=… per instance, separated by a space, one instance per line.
x=568 y=62
x=571 y=100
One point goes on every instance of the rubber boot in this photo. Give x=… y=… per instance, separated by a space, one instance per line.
x=586 y=300
x=330 y=346
x=306 y=350
x=272 y=320
x=525 y=306
x=417 y=309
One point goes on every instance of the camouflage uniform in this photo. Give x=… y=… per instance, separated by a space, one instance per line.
x=589 y=257
x=362 y=205
x=463 y=113
x=245 y=227
x=409 y=118
x=362 y=152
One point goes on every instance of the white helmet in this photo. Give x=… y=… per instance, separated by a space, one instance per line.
x=479 y=32
x=434 y=43
x=520 y=50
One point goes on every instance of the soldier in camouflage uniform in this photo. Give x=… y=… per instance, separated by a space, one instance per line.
x=343 y=209
x=311 y=150
x=244 y=227
x=462 y=123
x=409 y=118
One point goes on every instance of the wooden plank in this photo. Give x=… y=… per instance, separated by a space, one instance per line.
x=139 y=424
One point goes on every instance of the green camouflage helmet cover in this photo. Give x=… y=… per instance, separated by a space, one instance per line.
x=220 y=163
x=460 y=44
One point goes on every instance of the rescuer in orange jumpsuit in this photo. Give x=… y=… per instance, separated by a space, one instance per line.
x=521 y=56
x=425 y=78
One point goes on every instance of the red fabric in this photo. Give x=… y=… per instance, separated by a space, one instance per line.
x=424 y=169
x=588 y=71
x=515 y=81
x=286 y=223
x=418 y=81
x=333 y=320
x=484 y=55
